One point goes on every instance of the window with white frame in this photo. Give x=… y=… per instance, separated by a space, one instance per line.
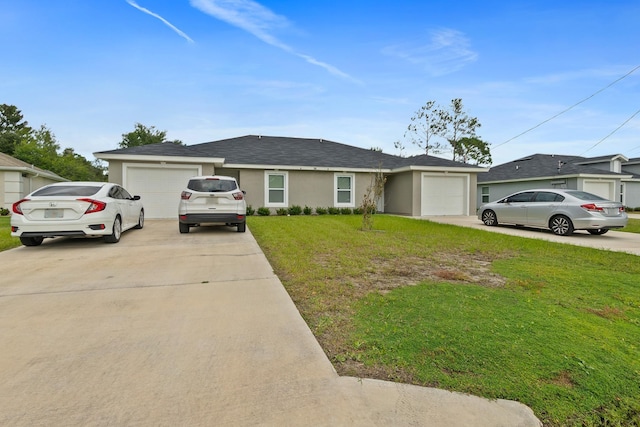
x=343 y=195
x=276 y=189
x=485 y=194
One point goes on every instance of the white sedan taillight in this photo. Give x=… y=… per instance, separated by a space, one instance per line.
x=16 y=206
x=94 y=205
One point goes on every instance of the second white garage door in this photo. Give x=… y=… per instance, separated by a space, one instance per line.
x=444 y=194
x=600 y=188
x=159 y=186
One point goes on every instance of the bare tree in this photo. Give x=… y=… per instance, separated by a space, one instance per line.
x=372 y=196
x=426 y=124
x=455 y=125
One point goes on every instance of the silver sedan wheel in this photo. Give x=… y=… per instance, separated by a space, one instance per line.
x=489 y=218
x=561 y=225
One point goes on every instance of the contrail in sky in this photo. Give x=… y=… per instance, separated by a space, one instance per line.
x=155 y=15
x=258 y=20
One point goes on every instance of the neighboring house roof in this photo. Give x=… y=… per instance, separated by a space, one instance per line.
x=9 y=163
x=538 y=166
x=262 y=151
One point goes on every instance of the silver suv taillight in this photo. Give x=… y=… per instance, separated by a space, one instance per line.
x=238 y=196
x=185 y=195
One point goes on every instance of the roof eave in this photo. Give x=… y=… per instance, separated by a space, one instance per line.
x=33 y=172
x=304 y=168
x=409 y=168
x=551 y=177
x=218 y=161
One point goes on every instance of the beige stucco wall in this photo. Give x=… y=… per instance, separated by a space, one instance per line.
x=115 y=172
x=305 y=188
x=398 y=194
x=473 y=193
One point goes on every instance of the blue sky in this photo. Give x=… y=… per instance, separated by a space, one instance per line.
x=348 y=71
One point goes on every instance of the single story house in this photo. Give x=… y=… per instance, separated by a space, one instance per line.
x=280 y=172
x=18 y=178
x=614 y=177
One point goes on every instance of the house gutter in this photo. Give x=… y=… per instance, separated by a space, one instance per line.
x=470 y=169
x=305 y=168
x=34 y=173
x=551 y=177
x=217 y=161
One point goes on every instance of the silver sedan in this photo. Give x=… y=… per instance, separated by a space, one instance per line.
x=562 y=211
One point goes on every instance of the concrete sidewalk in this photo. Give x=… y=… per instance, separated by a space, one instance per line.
x=164 y=329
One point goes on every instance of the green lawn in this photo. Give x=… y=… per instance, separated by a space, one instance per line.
x=556 y=327
x=6 y=241
x=633 y=226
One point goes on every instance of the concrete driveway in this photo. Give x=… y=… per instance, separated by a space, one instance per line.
x=617 y=241
x=164 y=329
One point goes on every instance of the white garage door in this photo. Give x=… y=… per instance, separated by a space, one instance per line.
x=159 y=186
x=444 y=194
x=600 y=188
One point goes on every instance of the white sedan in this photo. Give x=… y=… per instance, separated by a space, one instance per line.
x=86 y=209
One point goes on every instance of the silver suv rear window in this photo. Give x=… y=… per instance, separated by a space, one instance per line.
x=211 y=185
x=68 y=190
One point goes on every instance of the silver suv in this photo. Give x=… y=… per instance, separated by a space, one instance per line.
x=212 y=200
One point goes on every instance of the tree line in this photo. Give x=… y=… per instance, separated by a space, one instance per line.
x=39 y=146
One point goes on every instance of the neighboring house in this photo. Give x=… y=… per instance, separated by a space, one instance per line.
x=18 y=178
x=280 y=172
x=614 y=177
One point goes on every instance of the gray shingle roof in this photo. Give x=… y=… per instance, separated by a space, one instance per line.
x=541 y=165
x=285 y=151
x=7 y=161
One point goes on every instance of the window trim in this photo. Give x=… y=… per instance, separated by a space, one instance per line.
x=351 y=203
x=285 y=202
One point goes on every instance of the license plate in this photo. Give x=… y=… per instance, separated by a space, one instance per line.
x=611 y=211
x=53 y=213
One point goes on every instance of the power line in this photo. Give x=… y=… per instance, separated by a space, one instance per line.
x=616 y=129
x=570 y=108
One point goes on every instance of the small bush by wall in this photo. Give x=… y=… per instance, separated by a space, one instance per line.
x=264 y=211
x=295 y=210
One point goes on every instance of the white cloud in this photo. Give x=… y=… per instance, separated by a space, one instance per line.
x=155 y=15
x=447 y=51
x=259 y=21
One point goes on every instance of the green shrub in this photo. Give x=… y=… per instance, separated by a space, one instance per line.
x=4 y=211
x=250 y=211
x=321 y=211
x=264 y=211
x=357 y=211
x=346 y=211
x=295 y=210
x=333 y=211
x=282 y=211
x=307 y=210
